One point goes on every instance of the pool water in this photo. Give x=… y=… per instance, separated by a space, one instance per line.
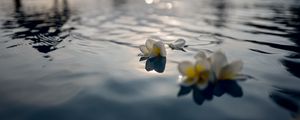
x=79 y=59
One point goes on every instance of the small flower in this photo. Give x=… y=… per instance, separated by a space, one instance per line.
x=178 y=45
x=197 y=73
x=222 y=69
x=153 y=48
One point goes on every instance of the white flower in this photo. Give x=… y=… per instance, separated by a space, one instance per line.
x=222 y=69
x=207 y=69
x=178 y=45
x=197 y=73
x=153 y=48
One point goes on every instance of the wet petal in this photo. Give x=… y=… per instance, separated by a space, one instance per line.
x=200 y=55
x=242 y=77
x=144 y=50
x=186 y=81
x=231 y=70
x=218 y=60
x=159 y=49
x=201 y=65
x=155 y=50
x=163 y=51
x=203 y=79
x=205 y=75
x=178 y=44
x=149 y=44
x=186 y=68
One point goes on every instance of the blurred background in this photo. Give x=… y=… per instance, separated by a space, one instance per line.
x=78 y=59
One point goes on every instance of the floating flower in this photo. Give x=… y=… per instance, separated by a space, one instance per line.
x=222 y=69
x=197 y=73
x=210 y=76
x=213 y=68
x=178 y=45
x=153 y=48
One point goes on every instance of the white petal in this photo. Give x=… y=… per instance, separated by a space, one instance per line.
x=159 y=49
x=144 y=50
x=178 y=44
x=149 y=44
x=218 y=60
x=163 y=51
x=183 y=66
x=202 y=64
x=212 y=77
x=200 y=55
x=231 y=70
x=185 y=81
x=242 y=77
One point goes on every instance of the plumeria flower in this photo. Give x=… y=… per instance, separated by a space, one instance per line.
x=197 y=73
x=222 y=69
x=153 y=48
x=178 y=45
x=206 y=69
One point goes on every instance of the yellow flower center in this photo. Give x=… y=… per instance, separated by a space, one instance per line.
x=199 y=68
x=227 y=75
x=190 y=72
x=156 y=51
x=199 y=73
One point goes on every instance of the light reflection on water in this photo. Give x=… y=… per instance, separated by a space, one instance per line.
x=94 y=71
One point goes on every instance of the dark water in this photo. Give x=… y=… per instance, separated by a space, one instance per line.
x=78 y=59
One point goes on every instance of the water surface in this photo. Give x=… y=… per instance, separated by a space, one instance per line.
x=75 y=59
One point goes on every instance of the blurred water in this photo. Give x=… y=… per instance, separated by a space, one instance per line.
x=73 y=59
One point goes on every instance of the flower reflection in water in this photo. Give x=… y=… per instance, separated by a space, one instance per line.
x=218 y=89
x=157 y=64
x=44 y=29
x=46 y=44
